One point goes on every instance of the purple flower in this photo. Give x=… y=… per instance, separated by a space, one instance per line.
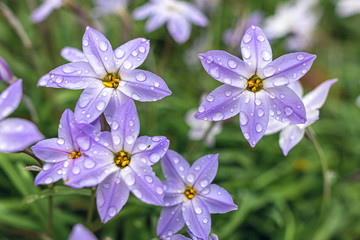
x=189 y=196
x=79 y=232
x=109 y=77
x=45 y=9
x=256 y=87
x=291 y=134
x=5 y=72
x=106 y=7
x=63 y=157
x=181 y=237
x=15 y=133
x=347 y=8
x=177 y=14
x=123 y=163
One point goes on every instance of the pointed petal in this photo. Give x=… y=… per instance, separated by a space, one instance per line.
x=150 y=149
x=217 y=199
x=289 y=137
x=155 y=21
x=47 y=81
x=316 y=98
x=143 y=11
x=76 y=75
x=66 y=131
x=116 y=100
x=170 y=221
x=179 y=28
x=286 y=69
x=286 y=106
x=143 y=86
x=50 y=173
x=125 y=127
x=297 y=88
x=73 y=54
x=255 y=48
x=98 y=51
x=203 y=171
x=143 y=183
x=10 y=99
x=131 y=54
x=52 y=150
x=174 y=166
x=111 y=196
x=5 y=71
x=197 y=217
x=226 y=68
x=80 y=232
x=17 y=134
x=221 y=104
x=275 y=126
x=92 y=102
x=254 y=116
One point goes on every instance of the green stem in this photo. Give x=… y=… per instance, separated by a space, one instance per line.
x=90 y=213
x=50 y=213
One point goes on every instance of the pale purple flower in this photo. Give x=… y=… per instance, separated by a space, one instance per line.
x=79 y=232
x=109 y=77
x=347 y=8
x=189 y=195
x=296 y=20
x=177 y=14
x=256 y=87
x=42 y=12
x=123 y=163
x=15 y=133
x=63 y=157
x=106 y=7
x=291 y=134
x=5 y=72
x=192 y=237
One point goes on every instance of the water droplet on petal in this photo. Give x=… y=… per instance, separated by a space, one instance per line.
x=243 y=118
x=266 y=55
x=129 y=139
x=154 y=157
x=137 y=193
x=269 y=71
x=259 y=127
x=247 y=38
x=112 y=211
x=60 y=141
x=260 y=38
x=215 y=72
x=142 y=49
x=76 y=170
x=205 y=220
x=88 y=163
x=103 y=46
x=280 y=81
x=247 y=136
x=85 y=42
x=201 y=109
x=260 y=112
x=159 y=190
x=149 y=179
x=288 y=111
x=218 y=116
x=204 y=182
x=300 y=57
x=245 y=52
x=198 y=210
x=190 y=177
x=210 y=98
x=119 y=53
x=232 y=64
x=127 y=64
x=100 y=105
x=135 y=96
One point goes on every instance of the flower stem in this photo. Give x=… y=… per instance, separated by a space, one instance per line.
x=50 y=213
x=90 y=213
x=33 y=156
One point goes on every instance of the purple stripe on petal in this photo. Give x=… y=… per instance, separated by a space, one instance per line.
x=50 y=173
x=170 y=221
x=289 y=137
x=131 y=54
x=174 y=166
x=10 y=99
x=150 y=149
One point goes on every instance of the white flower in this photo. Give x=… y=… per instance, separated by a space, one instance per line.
x=346 y=8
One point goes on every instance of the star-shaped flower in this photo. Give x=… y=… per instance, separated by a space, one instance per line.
x=189 y=195
x=123 y=163
x=291 y=134
x=256 y=87
x=177 y=14
x=109 y=77
x=15 y=133
x=63 y=157
x=42 y=12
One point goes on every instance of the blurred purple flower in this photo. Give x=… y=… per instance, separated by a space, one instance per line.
x=256 y=87
x=123 y=163
x=15 y=133
x=178 y=14
x=106 y=7
x=291 y=134
x=79 y=232
x=63 y=157
x=347 y=8
x=109 y=77
x=5 y=72
x=189 y=196
x=45 y=9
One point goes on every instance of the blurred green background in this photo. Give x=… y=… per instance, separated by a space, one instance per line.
x=278 y=197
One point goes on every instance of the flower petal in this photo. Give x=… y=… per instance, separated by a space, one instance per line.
x=297 y=88
x=50 y=173
x=222 y=103
x=17 y=134
x=203 y=171
x=174 y=192
x=98 y=51
x=289 y=137
x=174 y=166
x=5 y=71
x=316 y=98
x=73 y=54
x=67 y=132
x=116 y=100
x=125 y=127
x=177 y=237
x=286 y=106
x=47 y=81
x=226 y=68
x=170 y=221
x=44 y=10
x=255 y=48
x=92 y=102
x=52 y=150
x=143 y=12
x=76 y=75
x=217 y=199
x=197 y=217
x=179 y=28
x=10 y=99
x=286 y=69
x=195 y=15
x=111 y=195
x=143 y=86
x=254 y=116
x=155 y=21
x=150 y=149
x=143 y=183
x=131 y=54
x=81 y=232
x=275 y=126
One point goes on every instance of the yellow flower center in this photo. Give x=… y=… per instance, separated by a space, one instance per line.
x=111 y=80
x=122 y=159
x=74 y=155
x=190 y=192
x=255 y=83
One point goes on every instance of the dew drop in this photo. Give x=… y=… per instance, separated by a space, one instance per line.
x=280 y=81
x=288 y=111
x=137 y=193
x=142 y=49
x=129 y=139
x=215 y=72
x=247 y=38
x=103 y=46
x=247 y=136
x=218 y=116
x=112 y=211
x=201 y=109
x=260 y=112
x=198 y=210
x=269 y=71
x=232 y=64
x=266 y=55
x=85 y=42
x=210 y=98
x=135 y=96
x=259 y=127
x=76 y=170
x=154 y=157
x=243 y=118
x=127 y=64
x=245 y=52
x=159 y=190
x=300 y=57
x=204 y=182
x=100 y=105
x=119 y=53
x=190 y=177
x=260 y=38
x=228 y=93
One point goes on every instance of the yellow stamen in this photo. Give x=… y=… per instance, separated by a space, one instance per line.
x=74 y=155
x=122 y=159
x=190 y=192
x=255 y=83
x=111 y=80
